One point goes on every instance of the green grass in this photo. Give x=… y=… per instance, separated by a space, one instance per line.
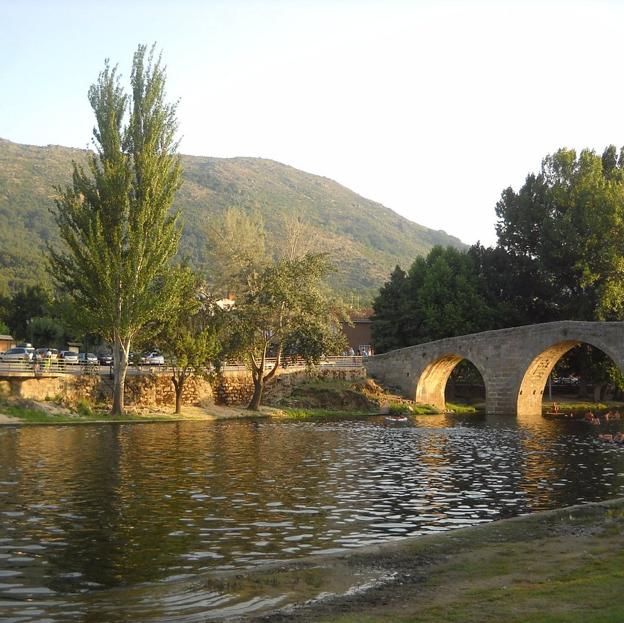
x=572 y=578
x=305 y=414
x=424 y=410
x=581 y=405
x=394 y=409
x=589 y=592
x=85 y=414
x=460 y=408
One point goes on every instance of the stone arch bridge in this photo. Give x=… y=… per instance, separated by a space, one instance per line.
x=515 y=363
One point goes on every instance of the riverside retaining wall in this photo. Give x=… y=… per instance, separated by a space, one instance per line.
x=156 y=390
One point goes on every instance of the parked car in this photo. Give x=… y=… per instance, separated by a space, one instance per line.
x=105 y=359
x=88 y=359
x=19 y=353
x=153 y=359
x=46 y=353
x=69 y=356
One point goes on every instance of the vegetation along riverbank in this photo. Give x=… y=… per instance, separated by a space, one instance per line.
x=311 y=398
x=561 y=565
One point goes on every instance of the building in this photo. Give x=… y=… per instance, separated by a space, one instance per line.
x=6 y=342
x=359 y=335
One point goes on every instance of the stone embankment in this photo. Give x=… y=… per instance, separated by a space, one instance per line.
x=144 y=391
x=236 y=388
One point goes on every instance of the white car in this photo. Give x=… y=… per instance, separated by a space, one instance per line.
x=19 y=353
x=153 y=359
x=69 y=356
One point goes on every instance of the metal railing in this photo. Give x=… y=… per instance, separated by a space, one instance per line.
x=55 y=367
x=290 y=363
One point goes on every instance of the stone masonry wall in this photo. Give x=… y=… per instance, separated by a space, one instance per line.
x=145 y=390
x=156 y=390
x=236 y=388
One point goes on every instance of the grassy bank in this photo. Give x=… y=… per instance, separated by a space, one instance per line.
x=30 y=412
x=556 y=566
x=581 y=405
x=33 y=415
x=311 y=413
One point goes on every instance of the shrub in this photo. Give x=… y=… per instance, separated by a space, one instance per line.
x=84 y=408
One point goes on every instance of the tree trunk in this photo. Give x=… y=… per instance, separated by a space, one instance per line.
x=259 y=379
x=179 y=388
x=120 y=367
x=256 y=399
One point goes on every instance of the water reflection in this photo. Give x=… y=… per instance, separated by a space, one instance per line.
x=131 y=509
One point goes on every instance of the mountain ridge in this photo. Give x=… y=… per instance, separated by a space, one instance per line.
x=365 y=238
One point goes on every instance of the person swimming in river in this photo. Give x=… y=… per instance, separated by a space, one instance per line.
x=617 y=438
x=590 y=418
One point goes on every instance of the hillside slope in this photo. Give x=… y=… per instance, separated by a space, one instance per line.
x=365 y=238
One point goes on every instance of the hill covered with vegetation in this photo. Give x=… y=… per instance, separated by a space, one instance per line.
x=364 y=238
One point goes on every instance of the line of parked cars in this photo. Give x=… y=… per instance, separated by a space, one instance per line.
x=26 y=353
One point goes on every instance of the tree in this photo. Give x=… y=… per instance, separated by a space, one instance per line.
x=26 y=304
x=442 y=295
x=282 y=307
x=391 y=316
x=281 y=302
x=565 y=228
x=115 y=218
x=188 y=338
x=46 y=330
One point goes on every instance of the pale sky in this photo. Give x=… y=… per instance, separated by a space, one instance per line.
x=431 y=108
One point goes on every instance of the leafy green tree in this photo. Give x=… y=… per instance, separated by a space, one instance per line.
x=564 y=229
x=236 y=250
x=115 y=218
x=46 y=331
x=4 y=329
x=283 y=306
x=450 y=299
x=188 y=338
x=511 y=287
x=23 y=306
x=442 y=295
x=391 y=313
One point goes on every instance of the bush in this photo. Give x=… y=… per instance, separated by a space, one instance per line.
x=84 y=408
x=399 y=408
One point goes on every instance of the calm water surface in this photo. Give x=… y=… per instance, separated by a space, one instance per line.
x=116 y=522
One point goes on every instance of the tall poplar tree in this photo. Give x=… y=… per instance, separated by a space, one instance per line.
x=115 y=218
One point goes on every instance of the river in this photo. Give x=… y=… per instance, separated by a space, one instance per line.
x=122 y=522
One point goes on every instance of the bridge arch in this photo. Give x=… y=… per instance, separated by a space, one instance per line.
x=531 y=389
x=431 y=384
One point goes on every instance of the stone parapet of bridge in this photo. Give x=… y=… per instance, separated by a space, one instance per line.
x=515 y=363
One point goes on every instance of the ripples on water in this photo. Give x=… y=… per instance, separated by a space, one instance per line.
x=132 y=510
